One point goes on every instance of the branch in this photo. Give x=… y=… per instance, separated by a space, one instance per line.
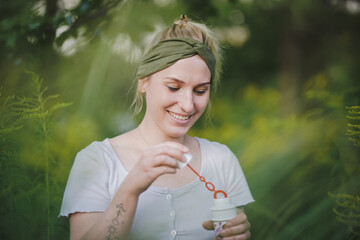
x=94 y=15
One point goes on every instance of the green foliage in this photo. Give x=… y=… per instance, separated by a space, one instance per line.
x=348 y=204
x=32 y=25
x=40 y=101
x=289 y=161
x=14 y=112
x=349 y=211
x=354 y=129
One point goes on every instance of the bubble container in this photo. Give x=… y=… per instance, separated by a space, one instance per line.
x=222 y=211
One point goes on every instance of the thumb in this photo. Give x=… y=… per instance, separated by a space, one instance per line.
x=208 y=225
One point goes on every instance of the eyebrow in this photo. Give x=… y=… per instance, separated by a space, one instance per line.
x=181 y=81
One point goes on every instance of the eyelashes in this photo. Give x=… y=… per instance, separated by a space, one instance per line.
x=173 y=89
x=199 y=92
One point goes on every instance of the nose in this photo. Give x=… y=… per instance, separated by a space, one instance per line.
x=186 y=102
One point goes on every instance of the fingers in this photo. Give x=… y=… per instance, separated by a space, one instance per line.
x=153 y=168
x=164 y=160
x=239 y=219
x=241 y=231
x=237 y=228
x=154 y=162
x=166 y=145
x=243 y=236
x=171 y=149
x=177 y=145
x=164 y=154
x=163 y=170
x=208 y=225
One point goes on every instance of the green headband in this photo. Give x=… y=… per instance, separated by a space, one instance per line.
x=167 y=52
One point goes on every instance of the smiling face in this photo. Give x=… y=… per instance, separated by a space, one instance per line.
x=176 y=96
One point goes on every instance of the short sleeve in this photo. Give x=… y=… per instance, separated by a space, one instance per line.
x=87 y=186
x=224 y=168
x=237 y=186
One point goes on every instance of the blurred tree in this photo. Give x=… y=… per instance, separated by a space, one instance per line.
x=30 y=29
x=289 y=42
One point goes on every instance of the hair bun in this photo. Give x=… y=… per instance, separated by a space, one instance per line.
x=183 y=20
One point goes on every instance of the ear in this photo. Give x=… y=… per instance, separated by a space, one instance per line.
x=143 y=83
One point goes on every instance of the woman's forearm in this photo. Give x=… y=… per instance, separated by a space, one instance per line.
x=116 y=221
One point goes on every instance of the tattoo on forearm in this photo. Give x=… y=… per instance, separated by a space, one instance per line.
x=115 y=223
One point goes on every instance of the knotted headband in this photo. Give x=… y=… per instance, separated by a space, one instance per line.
x=167 y=52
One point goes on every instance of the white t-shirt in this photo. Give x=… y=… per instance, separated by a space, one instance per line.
x=161 y=213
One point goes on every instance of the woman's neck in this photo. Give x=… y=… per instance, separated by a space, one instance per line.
x=150 y=135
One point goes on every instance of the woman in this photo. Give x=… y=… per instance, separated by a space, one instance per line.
x=130 y=186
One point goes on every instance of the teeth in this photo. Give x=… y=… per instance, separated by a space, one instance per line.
x=178 y=116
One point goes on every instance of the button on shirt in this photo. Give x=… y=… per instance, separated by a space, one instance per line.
x=175 y=215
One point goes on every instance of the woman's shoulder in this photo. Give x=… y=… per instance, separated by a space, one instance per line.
x=209 y=145
x=217 y=155
x=96 y=147
x=214 y=148
x=96 y=152
x=107 y=145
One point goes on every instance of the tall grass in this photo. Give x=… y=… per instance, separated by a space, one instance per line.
x=21 y=183
x=43 y=119
x=14 y=110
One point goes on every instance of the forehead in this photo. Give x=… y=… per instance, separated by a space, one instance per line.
x=188 y=69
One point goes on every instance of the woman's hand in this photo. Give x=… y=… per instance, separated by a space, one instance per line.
x=234 y=229
x=154 y=162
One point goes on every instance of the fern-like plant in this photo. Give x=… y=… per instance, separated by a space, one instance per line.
x=41 y=102
x=12 y=112
x=354 y=129
x=348 y=211
x=348 y=205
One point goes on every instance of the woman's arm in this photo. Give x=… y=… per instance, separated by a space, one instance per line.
x=116 y=221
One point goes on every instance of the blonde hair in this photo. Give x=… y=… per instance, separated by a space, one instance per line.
x=185 y=28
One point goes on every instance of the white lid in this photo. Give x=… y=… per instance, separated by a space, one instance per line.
x=223 y=210
x=188 y=157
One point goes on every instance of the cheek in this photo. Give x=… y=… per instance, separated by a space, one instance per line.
x=201 y=103
x=160 y=101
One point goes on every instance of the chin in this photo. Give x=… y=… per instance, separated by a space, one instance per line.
x=176 y=132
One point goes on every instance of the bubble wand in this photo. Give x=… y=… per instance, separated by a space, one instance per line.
x=209 y=185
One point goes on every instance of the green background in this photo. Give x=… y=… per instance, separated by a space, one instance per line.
x=291 y=75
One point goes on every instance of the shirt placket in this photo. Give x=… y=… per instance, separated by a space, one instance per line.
x=172 y=213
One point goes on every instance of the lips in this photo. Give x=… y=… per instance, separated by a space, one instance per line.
x=179 y=117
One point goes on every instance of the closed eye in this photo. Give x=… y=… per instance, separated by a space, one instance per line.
x=173 y=89
x=200 y=92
